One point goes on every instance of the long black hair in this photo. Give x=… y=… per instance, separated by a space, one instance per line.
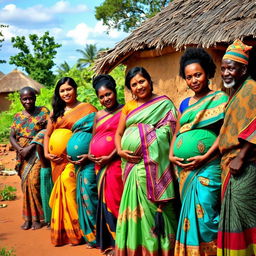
x=104 y=80
x=200 y=56
x=135 y=71
x=58 y=105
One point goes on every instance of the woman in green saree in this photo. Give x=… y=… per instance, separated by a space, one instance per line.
x=194 y=151
x=145 y=128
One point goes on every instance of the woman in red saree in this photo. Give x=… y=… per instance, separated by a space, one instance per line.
x=107 y=163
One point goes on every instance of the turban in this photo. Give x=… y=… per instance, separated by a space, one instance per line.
x=238 y=51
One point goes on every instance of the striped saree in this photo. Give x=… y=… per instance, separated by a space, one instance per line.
x=149 y=129
x=237 y=229
x=199 y=188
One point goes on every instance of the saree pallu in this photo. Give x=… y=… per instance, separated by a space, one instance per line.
x=86 y=190
x=199 y=188
x=149 y=129
x=65 y=226
x=237 y=229
x=109 y=180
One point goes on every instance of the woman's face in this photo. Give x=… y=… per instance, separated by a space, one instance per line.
x=195 y=77
x=140 y=87
x=106 y=97
x=28 y=100
x=67 y=93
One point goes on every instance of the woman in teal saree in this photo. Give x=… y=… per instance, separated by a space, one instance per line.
x=194 y=150
x=145 y=128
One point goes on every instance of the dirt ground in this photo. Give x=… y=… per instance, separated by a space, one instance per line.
x=29 y=242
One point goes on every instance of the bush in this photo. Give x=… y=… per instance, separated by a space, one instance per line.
x=7 y=193
x=6 y=252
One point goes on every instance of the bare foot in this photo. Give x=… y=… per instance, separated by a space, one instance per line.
x=111 y=253
x=36 y=225
x=26 y=225
x=88 y=246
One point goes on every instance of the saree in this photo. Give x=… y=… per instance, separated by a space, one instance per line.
x=199 y=188
x=237 y=229
x=86 y=189
x=109 y=180
x=27 y=130
x=148 y=132
x=65 y=226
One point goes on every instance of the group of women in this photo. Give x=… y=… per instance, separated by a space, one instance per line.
x=115 y=172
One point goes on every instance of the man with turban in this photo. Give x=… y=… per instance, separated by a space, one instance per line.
x=237 y=228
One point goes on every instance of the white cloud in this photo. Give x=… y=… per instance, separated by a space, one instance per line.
x=80 y=34
x=38 y=13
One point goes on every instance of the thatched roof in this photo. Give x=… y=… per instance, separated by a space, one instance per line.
x=1 y=74
x=204 y=23
x=16 y=80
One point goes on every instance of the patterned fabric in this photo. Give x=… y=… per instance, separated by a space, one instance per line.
x=238 y=51
x=149 y=129
x=86 y=190
x=199 y=188
x=109 y=180
x=27 y=128
x=237 y=230
x=65 y=226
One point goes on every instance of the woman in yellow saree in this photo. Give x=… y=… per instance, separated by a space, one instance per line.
x=67 y=110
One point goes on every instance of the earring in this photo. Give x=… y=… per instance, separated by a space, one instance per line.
x=134 y=96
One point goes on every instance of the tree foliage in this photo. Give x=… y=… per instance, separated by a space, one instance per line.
x=88 y=56
x=127 y=14
x=38 y=62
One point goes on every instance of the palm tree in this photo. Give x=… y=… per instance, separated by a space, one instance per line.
x=89 y=54
x=63 y=68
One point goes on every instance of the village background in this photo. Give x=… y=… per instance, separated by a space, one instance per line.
x=42 y=42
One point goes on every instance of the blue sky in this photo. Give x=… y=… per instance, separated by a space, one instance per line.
x=71 y=22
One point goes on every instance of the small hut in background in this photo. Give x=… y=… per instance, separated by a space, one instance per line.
x=160 y=41
x=13 y=82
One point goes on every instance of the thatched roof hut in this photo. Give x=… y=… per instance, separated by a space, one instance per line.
x=12 y=82
x=158 y=43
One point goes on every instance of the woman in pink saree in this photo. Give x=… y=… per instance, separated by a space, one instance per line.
x=107 y=163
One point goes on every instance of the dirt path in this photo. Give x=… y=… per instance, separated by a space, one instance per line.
x=29 y=242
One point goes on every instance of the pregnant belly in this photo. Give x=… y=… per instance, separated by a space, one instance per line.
x=193 y=143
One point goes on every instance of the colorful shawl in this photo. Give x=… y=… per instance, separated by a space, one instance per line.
x=148 y=133
x=109 y=180
x=199 y=188
x=237 y=229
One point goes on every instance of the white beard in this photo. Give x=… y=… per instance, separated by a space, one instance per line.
x=229 y=85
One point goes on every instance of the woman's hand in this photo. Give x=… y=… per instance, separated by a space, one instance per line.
x=82 y=159
x=102 y=160
x=24 y=152
x=176 y=160
x=194 y=162
x=235 y=165
x=129 y=156
x=54 y=158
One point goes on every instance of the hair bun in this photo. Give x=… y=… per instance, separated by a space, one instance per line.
x=103 y=79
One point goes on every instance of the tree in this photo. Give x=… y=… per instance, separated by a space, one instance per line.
x=39 y=62
x=2 y=39
x=127 y=14
x=89 y=55
x=63 y=69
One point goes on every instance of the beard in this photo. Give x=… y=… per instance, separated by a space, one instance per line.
x=229 y=85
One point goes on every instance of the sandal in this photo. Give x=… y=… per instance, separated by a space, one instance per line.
x=3 y=205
